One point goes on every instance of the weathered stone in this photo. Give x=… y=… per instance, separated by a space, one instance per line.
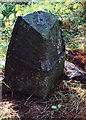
x=35 y=56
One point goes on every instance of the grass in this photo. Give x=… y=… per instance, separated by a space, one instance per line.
x=68 y=99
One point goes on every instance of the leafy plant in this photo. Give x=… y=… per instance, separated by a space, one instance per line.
x=69 y=12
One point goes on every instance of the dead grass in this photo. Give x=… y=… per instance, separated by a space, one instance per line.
x=67 y=101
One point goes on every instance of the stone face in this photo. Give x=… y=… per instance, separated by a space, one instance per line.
x=35 y=56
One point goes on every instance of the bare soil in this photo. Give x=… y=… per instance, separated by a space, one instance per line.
x=67 y=101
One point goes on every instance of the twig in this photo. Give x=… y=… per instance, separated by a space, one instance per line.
x=8 y=87
x=28 y=99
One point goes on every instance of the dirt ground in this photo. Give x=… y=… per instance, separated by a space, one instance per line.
x=67 y=101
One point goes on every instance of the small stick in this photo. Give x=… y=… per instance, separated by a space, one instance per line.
x=8 y=87
x=28 y=99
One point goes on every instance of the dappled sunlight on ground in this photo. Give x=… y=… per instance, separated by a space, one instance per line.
x=67 y=100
